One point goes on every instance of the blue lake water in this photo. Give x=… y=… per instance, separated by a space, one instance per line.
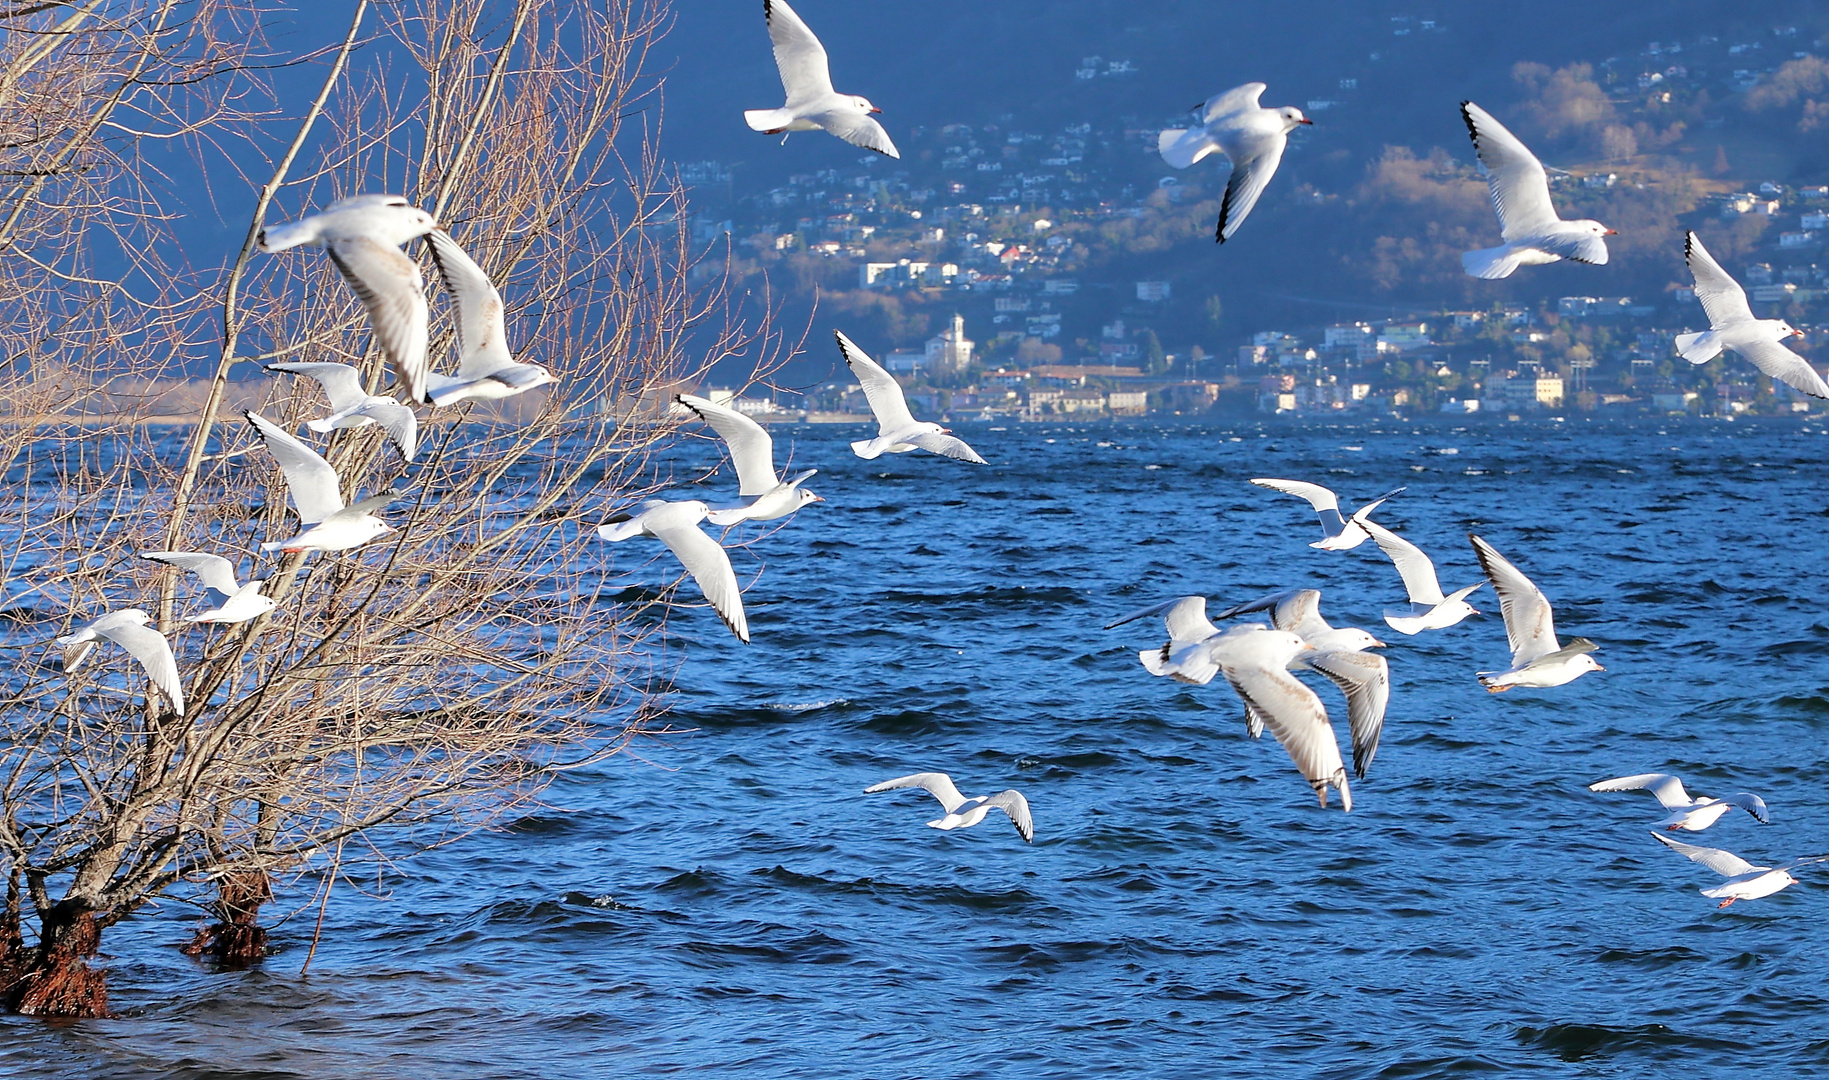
x=725 y=901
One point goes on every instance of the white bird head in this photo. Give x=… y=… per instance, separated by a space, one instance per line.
x=863 y=104
x=1785 y=329
x=1360 y=640
x=802 y=497
x=373 y=527
x=1595 y=227
x=1292 y=117
x=1587 y=663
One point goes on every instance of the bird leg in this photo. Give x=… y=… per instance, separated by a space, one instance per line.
x=1498 y=689
x=1724 y=903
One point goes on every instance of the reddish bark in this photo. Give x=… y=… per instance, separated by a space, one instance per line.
x=57 y=979
x=12 y=941
x=237 y=939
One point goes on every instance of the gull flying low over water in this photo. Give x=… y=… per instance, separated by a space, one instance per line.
x=1429 y=609
x=898 y=432
x=128 y=629
x=1692 y=815
x=1528 y=223
x=1252 y=138
x=363 y=236
x=351 y=406
x=316 y=493
x=676 y=524
x=1744 y=880
x=1731 y=326
x=812 y=104
x=486 y=370
x=1338 y=533
x=752 y=451
x=1537 y=658
x=961 y=812
x=230 y=601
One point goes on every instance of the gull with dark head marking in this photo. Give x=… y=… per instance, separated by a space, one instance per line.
x=486 y=370
x=1533 y=232
x=1731 y=326
x=351 y=406
x=1338 y=533
x=676 y=524
x=1744 y=880
x=812 y=104
x=1252 y=138
x=898 y=432
x=231 y=601
x=130 y=631
x=316 y=493
x=363 y=236
x=1687 y=814
x=961 y=812
x=1537 y=658
x=1429 y=609
x=752 y=452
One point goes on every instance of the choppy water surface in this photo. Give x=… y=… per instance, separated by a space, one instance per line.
x=730 y=903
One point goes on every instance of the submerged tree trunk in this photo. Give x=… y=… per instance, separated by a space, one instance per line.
x=56 y=979
x=12 y=939
x=237 y=939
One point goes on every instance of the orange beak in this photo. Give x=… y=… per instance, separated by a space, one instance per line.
x=873 y=108
x=1611 y=232
x=1797 y=333
x=1305 y=120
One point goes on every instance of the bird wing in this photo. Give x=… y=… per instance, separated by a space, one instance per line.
x=1573 y=244
x=1187 y=618
x=391 y=288
x=150 y=648
x=952 y=446
x=805 y=69
x=1363 y=512
x=1365 y=679
x=858 y=129
x=1667 y=788
x=1012 y=803
x=1721 y=296
x=937 y=784
x=880 y=387
x=1318 y=497
x=1530 y=624
x=1231 y=102
x=214 y=571
x=1254 y=162
x=752 y=450
x=1413 y=566
x=1515 y=179
x=709 y=565
x=1749 y=802
x=1294 y=715
x=310 y=480
x=1295 y=610
x=397 y=420
x=1725 y=863
x=482 y=345
x=1784 y=365
x=342 y=383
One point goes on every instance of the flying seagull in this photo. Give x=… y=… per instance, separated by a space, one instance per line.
x=812 y=104
x=752 y=451
x=363 y=236
x=1537 y=658
x=676 y=524
x=128 y=629
x=961 y=812
x=1731 y=326
x=1338 y=533
x=1520 y=192
x=316 y=493
x=1251 y=137
x=1692 y=815
x=230 y=601
x=1744 y=880
x=351 y=406
x=1429 y=609
x=898 y=432
x=486 y=370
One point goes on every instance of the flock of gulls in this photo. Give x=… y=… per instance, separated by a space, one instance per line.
x=364 y=237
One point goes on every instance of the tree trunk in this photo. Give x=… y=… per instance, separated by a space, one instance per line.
x=236 y=940
x=12 y=941
x=57 y=979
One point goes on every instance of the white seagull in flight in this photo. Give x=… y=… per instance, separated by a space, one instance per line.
x=1429 y=608
x=351 y=406
x=1686 y=813
x=961 y=812
x=128 y=629
x=486 y=370
x=898 y=432
x=1537 y=658
x=1338 y=533
x=1744 y=880
x=231 y=601
x=812 y=104
x=1520 y=191
x=1252 y=138
x=676 y=524
x=1731 y=326
x=316 y=493
x=752 y=452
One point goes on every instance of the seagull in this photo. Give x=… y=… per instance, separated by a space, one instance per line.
x=898 y=432
x=1184 y=658
x=1689 y=814
x=351 y=406
x=486 y=370
x=1520 y=192
x=1250 y=136
x=676 y=524
x=1339 y=533
x=752 y=451
x=128 y=629
x=812 y=104
x=1744 y=880
x=961 y=812
x=232 y=601
x=363 y=236
x=1429 y=609
x=315 y=490
x=1731 y=326
x=1537 y=658
x=1338 y=653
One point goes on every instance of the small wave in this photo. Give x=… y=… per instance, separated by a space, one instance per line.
x=1577 y=1042
x=809 y=706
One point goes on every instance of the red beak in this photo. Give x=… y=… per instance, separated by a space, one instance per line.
x=1305 y=120
x=1798 y=333
x=1611 y=232
x=873 y=108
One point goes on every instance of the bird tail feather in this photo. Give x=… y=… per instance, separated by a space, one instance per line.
x=868 y=448
x=1490 y=263
x=767 y=119
x=1698 y=348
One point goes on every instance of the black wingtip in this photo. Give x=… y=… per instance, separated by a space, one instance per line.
x=1472 y=131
